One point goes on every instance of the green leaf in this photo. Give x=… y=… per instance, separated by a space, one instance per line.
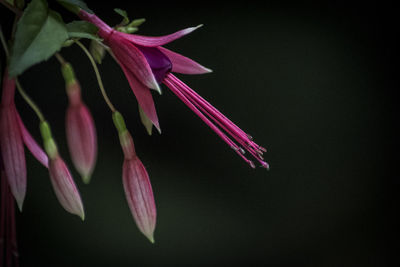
x=40 y=33
x=124 y=14
x=82 y=29
x=137 y=22
x=74 y=5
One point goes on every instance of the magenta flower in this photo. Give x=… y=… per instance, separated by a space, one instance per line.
x=81 y=131
x=146 y=63
x=13 y=136
x=60 y=176
x=64 y=187
x=137 y=186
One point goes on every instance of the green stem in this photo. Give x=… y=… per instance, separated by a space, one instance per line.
x=30 y=102
x=4 y=42
x=60 y=58
x=99 y=81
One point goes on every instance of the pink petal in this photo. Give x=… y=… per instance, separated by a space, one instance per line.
x=65 y=188
x=82 y=139
x=12 y=152
x=32 y=145
x=143 y=96
x=131 y=57
x=139 y=195
x=182 y=64
x=157 y=41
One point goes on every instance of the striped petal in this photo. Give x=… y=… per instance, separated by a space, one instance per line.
x=143 y=96
x=31 y=144
x=65 y=188
x=157 y=41
x=139 y=195
x=182 y=64
x=12 y=151
x=134 y=60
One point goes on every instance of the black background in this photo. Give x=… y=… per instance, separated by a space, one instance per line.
x=313 y=83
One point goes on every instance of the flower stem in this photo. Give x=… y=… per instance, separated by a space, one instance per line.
x=99 y=81
x=29 y=101
x=60 y=58
x=4 y=42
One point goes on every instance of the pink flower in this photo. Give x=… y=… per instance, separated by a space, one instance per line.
x=81 y=131
x=138 y=190
x=64 y=187
x=13 y=136
x=146 y=63
x=61 y=178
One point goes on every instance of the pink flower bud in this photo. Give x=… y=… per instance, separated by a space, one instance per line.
x=81 y=133
x=11 y=143
x=139 y=195
x=64 y=187
x=138 y=191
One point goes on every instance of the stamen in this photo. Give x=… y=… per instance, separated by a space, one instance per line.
x=202 y=108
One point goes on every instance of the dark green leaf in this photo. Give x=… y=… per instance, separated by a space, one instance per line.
x=82 y=29
x=124 y=14
x=73 y=4
x=40 y=33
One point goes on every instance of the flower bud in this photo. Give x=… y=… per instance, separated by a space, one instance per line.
x=11 y=143
x=65 y=188
x=80 y=128
x=139 y=195
x=138 y=191
x=61 y=179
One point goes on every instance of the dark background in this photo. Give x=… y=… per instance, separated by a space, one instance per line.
x=313 y=83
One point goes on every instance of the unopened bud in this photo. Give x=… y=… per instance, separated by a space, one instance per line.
x=139 y=195
x=65 y=188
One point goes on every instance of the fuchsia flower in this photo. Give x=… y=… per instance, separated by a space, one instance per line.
x=13 y=136
x=81 y=131
x=137 y=186
x=60 y=176
x=146 y=63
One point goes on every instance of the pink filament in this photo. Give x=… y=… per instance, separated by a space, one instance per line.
x=206 y=112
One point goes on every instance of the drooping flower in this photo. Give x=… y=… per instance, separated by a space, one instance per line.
x=137 y=186
x=80 y=128
x=146 y=63
x=60 y=176
x=13 y=136
x=8 y=233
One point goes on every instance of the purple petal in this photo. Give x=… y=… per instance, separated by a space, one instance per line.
x=139 y=195
x=143 y=96
x=65 y=188
x=159 y=63
x=12 y=151
x=32 y=145
x=157 y=41
x=182 y=64
x=133 y=59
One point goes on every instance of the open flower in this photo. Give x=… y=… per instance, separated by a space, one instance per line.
x=13 y=136
x=146 y=63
